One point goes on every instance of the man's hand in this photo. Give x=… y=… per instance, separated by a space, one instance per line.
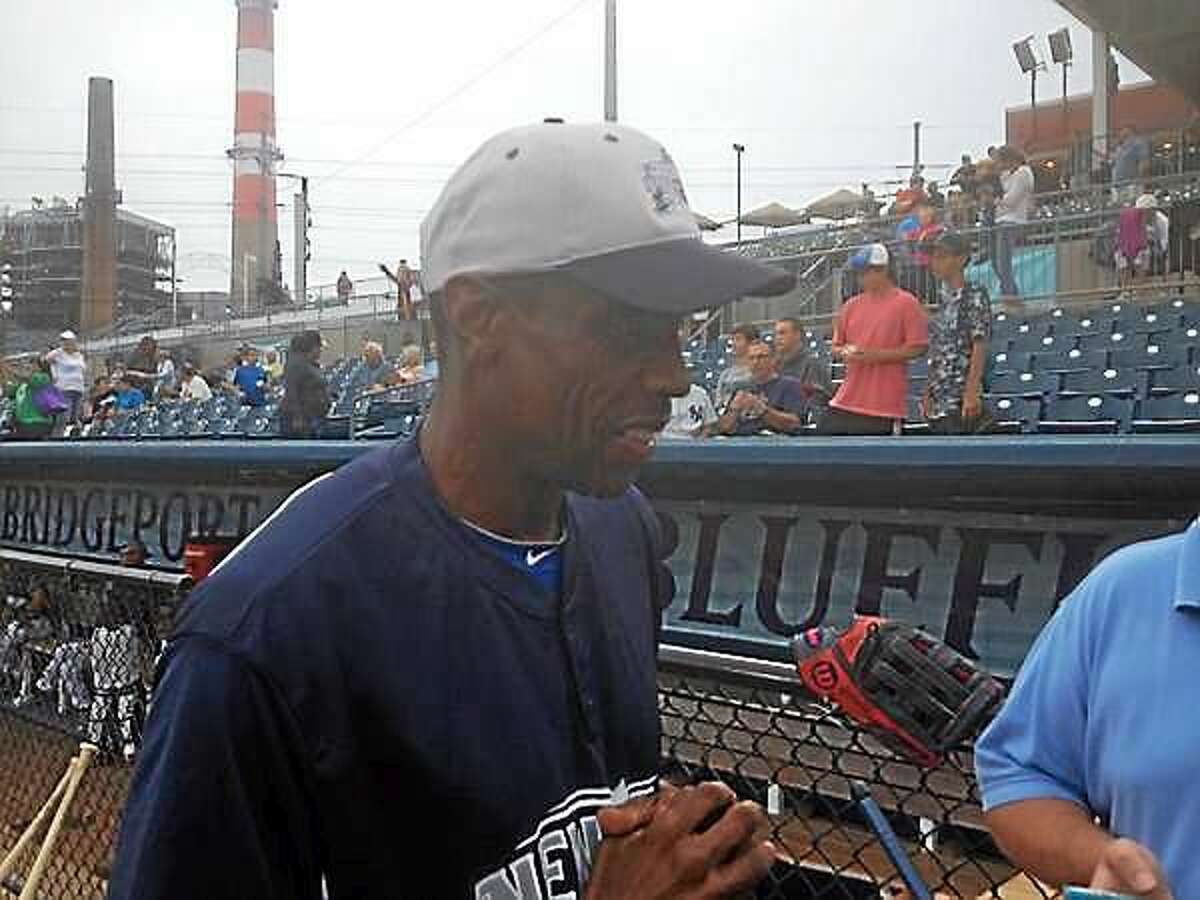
x=742 y=400
x=847 y=351
x=657 y=851
x=972 y=406
x=1129 y=868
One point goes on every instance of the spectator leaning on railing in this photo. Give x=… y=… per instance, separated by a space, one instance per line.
x=876 y=334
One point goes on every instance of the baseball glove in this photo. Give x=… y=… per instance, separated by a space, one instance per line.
x=911 y=691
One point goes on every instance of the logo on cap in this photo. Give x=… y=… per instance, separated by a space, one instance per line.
x=661 y=180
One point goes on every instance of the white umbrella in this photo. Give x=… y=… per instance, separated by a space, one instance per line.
x=841 y=204
x=774 y=215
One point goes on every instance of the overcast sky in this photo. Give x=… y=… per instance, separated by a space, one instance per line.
x=379 y=101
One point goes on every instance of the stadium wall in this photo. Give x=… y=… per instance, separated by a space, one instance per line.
x=978 y=540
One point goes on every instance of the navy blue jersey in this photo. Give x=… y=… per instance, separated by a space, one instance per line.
x=365 y=693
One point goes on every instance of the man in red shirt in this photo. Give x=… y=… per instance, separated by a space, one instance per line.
x=877 y=333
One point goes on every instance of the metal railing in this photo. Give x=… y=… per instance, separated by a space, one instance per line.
x=80 y=639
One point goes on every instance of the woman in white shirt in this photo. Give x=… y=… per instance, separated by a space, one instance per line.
x=194 y=387
x=1013 y=211
x=68 y=368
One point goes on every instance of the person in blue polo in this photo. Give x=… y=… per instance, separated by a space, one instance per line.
x=1102 y=727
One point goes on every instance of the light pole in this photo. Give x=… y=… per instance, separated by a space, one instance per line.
x=739 y=149
x=610 y=60
x=1030 y=63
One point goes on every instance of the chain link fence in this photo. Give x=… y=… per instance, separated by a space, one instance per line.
x=78 y=642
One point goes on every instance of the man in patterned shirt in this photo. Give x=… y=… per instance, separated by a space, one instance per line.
x=958 y=343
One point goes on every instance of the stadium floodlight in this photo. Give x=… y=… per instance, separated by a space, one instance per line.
x=1060 y=46
x=1027 y=56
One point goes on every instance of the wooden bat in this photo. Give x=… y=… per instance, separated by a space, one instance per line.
x=62 y=797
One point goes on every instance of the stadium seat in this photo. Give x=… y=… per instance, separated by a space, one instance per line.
x=1180 y=378
x=1150 y=355
x=1008 y=361
x=1015 y=415
x=1169 y=413
x=1085 y=414
x=199 y=427
x=1074 y=360
x=1121 y=383
x=1023 y=384
x=1034 y=341
x=1107 y=340
x=919 y=367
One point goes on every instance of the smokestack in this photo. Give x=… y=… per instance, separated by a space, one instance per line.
x=254 y=155
x=98 y=297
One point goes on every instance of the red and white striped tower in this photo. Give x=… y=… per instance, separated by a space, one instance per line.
x=254 y=155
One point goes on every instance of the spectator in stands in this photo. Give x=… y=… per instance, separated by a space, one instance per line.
x=274 y=367
x=964 y=176
x=877 y=332
x=251 y=379
x=102 y=399
x=1013 y=210
x=908 y=198
x=1159 y=230
x=306 y=397
x=129 y=396
x=405 y=281
x=372 y=373
x=345 y=288
x=988 y=191
x=411 y=370
x=1094 y=748
x=770 y=403
x=194 y=387
x=935 y=197
x=30 y=423
x=68 y=366
x=134 y=554
x=794 y=359
x=958 y=342
x=1130 y=164
x=1136 y=236
x=737 y=375
x=142 y=365
x=918 y=242
x=167 y=382
x=692 y=416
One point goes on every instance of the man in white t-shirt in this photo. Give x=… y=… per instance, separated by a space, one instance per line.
x=68 y=367
x=1013 y=211
x=194 y=387
x=692 y=416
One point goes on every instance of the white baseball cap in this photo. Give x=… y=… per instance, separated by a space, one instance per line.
x=67 y=335
x=869 y=256
x=601 y=203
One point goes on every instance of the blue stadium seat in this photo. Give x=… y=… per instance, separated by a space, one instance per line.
x=1023 y=384
x=1180 y=378
x=199 y=427
x=1008 y=361
x=1037 y=340
x=1086 y=414
x=1015 y=415
x=1169 y=413
x=1107 y=340
x=919 y=367
x=1118 y=382
x=1143 y=355
x=1073 y=360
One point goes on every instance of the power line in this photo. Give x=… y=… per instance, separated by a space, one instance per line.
x=460 y=90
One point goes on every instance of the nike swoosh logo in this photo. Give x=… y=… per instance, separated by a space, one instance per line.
x=532 y=559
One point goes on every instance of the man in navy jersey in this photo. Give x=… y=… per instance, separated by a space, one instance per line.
x=431 y=673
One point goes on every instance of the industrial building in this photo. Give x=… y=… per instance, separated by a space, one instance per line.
x=45 y=247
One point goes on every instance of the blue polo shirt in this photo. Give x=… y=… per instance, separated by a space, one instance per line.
x=1104 y=710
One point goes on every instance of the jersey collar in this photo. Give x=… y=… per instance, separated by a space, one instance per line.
x=1187 y=578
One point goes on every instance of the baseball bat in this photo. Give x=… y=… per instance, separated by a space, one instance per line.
x=75 y=772
x=891 y=843
x=31 y=830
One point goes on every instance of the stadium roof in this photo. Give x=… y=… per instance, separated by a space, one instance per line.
x=1160 y=36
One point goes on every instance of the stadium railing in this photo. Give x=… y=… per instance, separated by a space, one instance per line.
x=81 y=669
